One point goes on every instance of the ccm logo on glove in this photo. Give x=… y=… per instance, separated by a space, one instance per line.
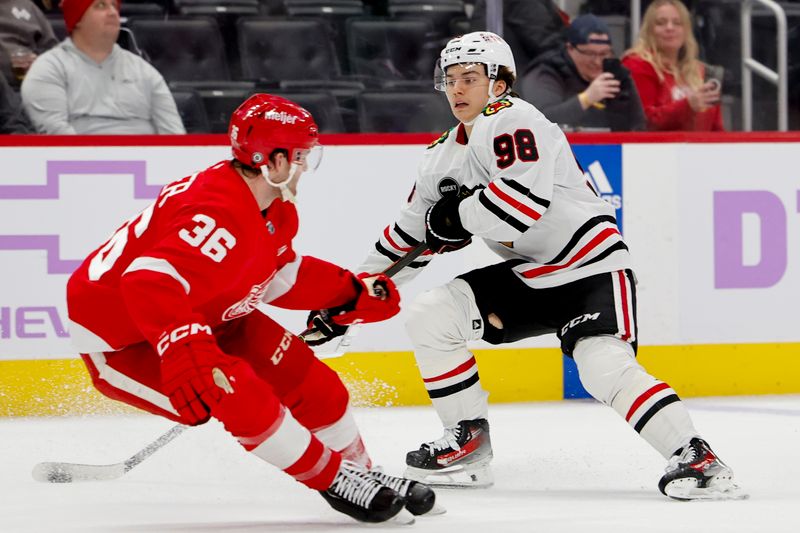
x=178 y=334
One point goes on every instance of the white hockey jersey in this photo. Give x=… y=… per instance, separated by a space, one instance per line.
x=531 y=202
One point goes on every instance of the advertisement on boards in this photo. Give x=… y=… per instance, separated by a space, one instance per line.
x=739 y=243
x=57 y=204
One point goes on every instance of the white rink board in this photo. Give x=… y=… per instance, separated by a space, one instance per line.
x=668 y=192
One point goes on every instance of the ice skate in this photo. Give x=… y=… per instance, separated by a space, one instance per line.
x=420 y=498
x=460 y=459
x=356 y=493
x=696 y=473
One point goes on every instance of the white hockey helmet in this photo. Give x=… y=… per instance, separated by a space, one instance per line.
x=482 y=47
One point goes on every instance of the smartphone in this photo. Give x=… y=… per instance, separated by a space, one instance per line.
x=614 y=66
x=715 y=75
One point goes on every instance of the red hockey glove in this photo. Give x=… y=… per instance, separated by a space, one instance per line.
x=443 y=229
x=377 y=300
x=189 y=355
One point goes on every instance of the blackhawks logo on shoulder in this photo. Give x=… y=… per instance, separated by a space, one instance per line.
x=441 y=139
x=496 y=107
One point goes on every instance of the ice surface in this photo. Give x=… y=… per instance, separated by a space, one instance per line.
x=559 y=467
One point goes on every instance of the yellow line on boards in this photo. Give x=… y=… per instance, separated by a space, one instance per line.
x=58 y=387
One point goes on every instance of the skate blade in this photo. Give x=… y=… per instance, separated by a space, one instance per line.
x=687 y=490
x=474 y=476
x=403 y=518
x=438 y=509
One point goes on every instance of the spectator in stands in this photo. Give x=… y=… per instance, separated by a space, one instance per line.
x=530 y=27
x=24 y=33
x=668 y=75
x=89 y=85
x=572 y=88
x=12 y=118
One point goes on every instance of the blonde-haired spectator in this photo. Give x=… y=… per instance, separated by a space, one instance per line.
x=668 y=74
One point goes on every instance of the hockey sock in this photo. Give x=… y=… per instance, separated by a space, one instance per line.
x=611 y=374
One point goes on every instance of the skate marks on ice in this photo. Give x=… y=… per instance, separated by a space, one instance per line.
x=559 y=467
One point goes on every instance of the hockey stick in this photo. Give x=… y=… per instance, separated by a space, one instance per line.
x=59 y=472
x=51 y=472
x=352 y=331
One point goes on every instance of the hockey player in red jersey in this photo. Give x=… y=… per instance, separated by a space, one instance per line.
x=164 y=315
x=565 y=269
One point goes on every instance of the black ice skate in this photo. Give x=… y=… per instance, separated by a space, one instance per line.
x=696 y=473
x=459 y=459
x=420 y=498
x=355 y=493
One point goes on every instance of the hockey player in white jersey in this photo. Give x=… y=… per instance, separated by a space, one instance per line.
x=566 y=270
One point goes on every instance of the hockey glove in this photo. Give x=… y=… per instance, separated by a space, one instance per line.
x=190 y=358
x=443 y=229
x=377 y=299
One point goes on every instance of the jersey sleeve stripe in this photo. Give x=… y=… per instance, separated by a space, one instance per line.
x=408 y=239
x=162 y=266
x=579 y=234
x=596 y=241
x=517 y=186
x=394 y=257
x=502 y=215
x=513 y=203
x=387 y=235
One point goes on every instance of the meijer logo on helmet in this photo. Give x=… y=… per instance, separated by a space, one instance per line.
x=283 y=117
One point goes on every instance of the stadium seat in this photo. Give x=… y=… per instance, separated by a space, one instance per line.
x=187 y=52
x=192 y=111
x=322 y=106
x=386 y=50
x=438 y=13
x=404 y=112
x=273 y=50
x=335 y=14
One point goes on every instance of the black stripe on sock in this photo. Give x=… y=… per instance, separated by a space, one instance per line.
x=659 y=405
x=452 y=389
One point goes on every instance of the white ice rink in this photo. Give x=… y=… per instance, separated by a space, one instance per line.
x=559 y=467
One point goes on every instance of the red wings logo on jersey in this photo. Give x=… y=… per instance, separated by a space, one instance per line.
x=496 y=107
x=247 y=304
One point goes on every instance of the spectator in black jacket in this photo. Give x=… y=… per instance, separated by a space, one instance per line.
x=12 y=117
x=575 y=87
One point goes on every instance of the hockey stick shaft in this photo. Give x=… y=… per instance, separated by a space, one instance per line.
x=54 y=472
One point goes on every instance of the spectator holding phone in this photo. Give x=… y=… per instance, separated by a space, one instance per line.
x=581 y=85
x=668 y=74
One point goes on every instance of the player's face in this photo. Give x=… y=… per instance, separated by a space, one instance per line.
x=668 y=29
x=467 y=90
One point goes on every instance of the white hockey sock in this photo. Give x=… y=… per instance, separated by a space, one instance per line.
x=440 y=322
x=456 y=394
x=611 y=374
x=343 y=436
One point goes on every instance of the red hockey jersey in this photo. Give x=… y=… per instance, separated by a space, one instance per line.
x=203 y=247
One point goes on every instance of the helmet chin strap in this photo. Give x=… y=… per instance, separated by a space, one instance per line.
x=286 y=194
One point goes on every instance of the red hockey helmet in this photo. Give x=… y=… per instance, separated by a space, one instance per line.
x=264 y=123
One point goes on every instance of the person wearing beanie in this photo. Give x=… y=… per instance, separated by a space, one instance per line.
x=88 y=84
x=581 y=85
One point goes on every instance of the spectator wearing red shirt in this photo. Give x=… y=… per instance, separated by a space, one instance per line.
x=668 y=75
